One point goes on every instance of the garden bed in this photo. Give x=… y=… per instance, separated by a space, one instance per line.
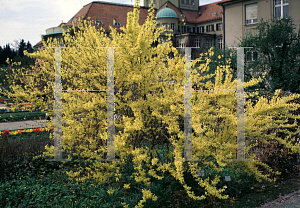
x=11 y=117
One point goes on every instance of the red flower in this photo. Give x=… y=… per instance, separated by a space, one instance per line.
x=65 y=142
x=6 y=131
x=85 y=127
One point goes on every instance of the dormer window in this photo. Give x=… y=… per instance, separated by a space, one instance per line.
x=74 y=19
x=98 y=22
x=116 y=23
x=148 y=3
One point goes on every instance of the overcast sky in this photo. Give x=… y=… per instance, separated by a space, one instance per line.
x=29 y=19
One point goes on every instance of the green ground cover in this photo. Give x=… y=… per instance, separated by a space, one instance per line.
x=26 y=181
x=10 y=117
x=29 y=182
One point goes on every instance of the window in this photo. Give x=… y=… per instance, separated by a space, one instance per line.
x=219 y=26
x=116 y=23
x=173 y=26
x=183 y=29
x=98 y=22
x=201 y=29
x=165 y=41
x=251 y=56
x=187 y=2
x=148 y=2
x=251 y=13
x=166 y=25
x=194 y=30
x=197 y=42
x=281 y=9
x=209 y=43
x=209 y=28
x=182 y=1
x=189 y=29
x=192 y=2
x=220 y=43
x=181 y=42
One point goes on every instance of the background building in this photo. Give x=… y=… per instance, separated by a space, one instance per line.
x=219 y=24
x=203 y=27
x=241 y=16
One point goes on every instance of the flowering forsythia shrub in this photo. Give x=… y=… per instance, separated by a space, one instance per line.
x=84 y=66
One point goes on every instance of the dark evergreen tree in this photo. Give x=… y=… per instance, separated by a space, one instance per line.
x=21 y=48
x=278 y=53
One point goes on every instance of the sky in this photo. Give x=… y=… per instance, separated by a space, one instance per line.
x=29 y=19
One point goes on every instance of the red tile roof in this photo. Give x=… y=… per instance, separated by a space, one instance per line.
x=223 y=1
x=193 y=16
x=107 y=12
x=61 y=24
x=39 y=43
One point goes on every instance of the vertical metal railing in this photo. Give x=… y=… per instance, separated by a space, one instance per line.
x=240 y=152
x=58 y=106
x=187 y=103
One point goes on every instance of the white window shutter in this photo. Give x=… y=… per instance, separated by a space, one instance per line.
x=251 y=11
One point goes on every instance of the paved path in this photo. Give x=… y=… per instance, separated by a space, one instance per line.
x=291 y=200
x=17 y=125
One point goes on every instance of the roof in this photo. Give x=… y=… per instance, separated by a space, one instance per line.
x=39 y=43
x=108 y=11
x=103 y=11
x=166 y=12
x=61 y=24
x=225 y=2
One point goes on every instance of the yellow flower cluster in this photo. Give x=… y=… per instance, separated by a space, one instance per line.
x=137 y=66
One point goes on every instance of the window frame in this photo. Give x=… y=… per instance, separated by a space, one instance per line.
x=182 y=42
x=197 y=42
x=201 y=29
x=252 y=59
x=210 y=28
x=148 y=2
x=98 y=22
x=220 y=43
x=282 y=4
x=218 y=25
x=117 y=23
x=252 y=21
x=173 y=26
x=209 y=42
x=166 y=25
